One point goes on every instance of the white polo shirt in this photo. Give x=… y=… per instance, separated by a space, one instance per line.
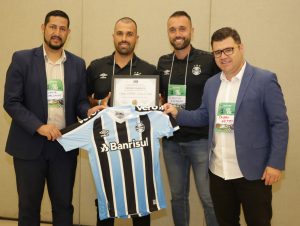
x=223 y=159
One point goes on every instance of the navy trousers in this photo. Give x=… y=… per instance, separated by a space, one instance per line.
x=56 y=168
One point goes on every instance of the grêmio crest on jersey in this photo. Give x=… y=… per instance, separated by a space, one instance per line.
x=124 y=158
x=80 y=122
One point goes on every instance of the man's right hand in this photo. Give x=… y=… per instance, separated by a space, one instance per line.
x=170 y=109
x=104 y=101
x=49 y=131
x=94 y=109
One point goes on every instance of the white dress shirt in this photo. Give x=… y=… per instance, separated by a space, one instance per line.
x=223 y=162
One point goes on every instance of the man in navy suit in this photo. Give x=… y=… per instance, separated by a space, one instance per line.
x=45 y=91
x=248 y=133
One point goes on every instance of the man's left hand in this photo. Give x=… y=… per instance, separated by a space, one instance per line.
x=271 y=175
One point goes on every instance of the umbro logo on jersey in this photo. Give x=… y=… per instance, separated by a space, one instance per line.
x=167 y=72
x=114 y=146
x=83 y=120
x=88 y=118
x=104 y=133
x=103 y=76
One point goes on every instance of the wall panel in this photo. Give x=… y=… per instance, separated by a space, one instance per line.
x=269 y=30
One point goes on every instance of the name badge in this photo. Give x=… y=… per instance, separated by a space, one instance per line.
x=225 y=118
x=55 y=92
x=177 y=95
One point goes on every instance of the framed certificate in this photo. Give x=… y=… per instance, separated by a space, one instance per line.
x=139 y=90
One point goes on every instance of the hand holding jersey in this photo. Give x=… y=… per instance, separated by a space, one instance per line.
x=123 y=146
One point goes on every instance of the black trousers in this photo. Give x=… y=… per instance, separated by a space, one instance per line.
x=56 y=168
x=228 y=196
x=136 y=221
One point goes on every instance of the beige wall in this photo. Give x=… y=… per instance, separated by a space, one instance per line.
x=269 y=30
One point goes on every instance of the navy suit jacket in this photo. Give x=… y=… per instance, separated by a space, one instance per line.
x=25 y=99
x=260 y=123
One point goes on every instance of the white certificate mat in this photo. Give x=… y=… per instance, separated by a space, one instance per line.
x=139 y=90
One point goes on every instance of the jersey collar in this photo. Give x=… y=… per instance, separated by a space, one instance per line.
x=134 y=60
x=191 y=55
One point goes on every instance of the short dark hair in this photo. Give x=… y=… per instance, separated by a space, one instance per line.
x=126 y=20
x=225 y=32
x=181 y=13
x=59 y=13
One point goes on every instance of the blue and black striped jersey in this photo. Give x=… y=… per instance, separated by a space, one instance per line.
x=123 y=146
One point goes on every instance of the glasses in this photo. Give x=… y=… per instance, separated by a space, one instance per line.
x=227 y=51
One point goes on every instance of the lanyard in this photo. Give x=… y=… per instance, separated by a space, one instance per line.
x=186 y=68
x=125 y=66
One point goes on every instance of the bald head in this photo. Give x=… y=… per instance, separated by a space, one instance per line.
x=126 y=20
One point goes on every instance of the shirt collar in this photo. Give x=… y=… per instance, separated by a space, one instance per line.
x=191 y=55
x=239 y=75
x=62 y=59
x=112 y=56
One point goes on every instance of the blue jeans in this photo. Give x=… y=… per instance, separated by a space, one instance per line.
x=179 y=158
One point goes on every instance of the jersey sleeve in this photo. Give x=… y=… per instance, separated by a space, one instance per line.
x=164 y=125
x=78 y=135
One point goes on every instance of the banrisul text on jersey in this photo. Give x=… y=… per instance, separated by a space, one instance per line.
x=114 y=146
x=123 y=145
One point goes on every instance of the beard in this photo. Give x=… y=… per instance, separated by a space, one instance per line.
x=54 y=47
x=186 y=43
x=124 y=51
